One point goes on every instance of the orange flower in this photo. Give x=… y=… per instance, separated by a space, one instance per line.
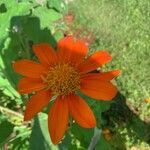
x=63 y=73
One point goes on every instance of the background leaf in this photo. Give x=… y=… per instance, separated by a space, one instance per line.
x=40 y=138
x=6 y=128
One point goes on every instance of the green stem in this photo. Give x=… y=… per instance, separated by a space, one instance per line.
x=10 y=112
x=95 y=138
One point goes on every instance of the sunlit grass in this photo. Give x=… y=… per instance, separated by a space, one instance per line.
x=122 y=27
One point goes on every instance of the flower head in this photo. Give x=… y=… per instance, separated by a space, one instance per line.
x=63 y=72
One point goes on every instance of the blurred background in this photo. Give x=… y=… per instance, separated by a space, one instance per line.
x=118 y=26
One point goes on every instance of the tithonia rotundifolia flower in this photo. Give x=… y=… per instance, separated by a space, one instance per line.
x=63 y=72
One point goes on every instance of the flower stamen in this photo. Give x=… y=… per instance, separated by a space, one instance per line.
x=62 y=79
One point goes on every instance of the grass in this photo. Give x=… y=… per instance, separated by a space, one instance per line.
x=122 y=28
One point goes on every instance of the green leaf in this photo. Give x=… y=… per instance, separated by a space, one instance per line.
x=56 y=4
x=6 y=129
x=23 y=29
x=7 y=79
x=21 y=139
x=40 y=139
x=46 y=16
x=103 y=144
x=12 y=8
x=82 y=134
x=3 y=8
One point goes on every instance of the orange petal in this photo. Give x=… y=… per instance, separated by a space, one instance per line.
x=71 y=50
x=29 y=85
x=45 y=53
x=93 y=62
x=98 y=89
x=29 y=68
x=58 y=119
x=36 y=103
x=104 y=76
x=81 y=112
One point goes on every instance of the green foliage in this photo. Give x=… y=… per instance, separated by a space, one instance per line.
x=27 y=24
x=40 y=133
x=82 y=135
x=103 y=144
x=22 y=24
x=5 y=16
x=6 y=129
x=20 y=139
x=58 y=5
